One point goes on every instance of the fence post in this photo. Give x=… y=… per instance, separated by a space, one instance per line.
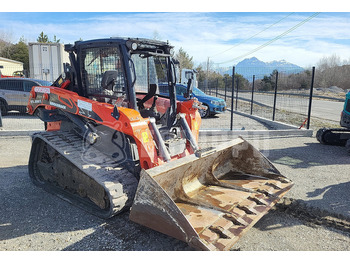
x=252 y=100
x=275 y=98
x=310 y=98
x=225 y=87
x=0 y=118
x=217 y=86
x=232 y=96
x=237 y=93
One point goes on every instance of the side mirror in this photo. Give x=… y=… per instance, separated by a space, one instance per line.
x=189 y=89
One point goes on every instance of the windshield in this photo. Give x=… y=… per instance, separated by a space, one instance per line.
x=198 y=92
x=150 y=70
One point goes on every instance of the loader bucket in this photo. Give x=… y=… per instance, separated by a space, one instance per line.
x=209 y=201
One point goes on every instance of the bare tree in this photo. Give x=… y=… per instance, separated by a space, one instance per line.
x=331 y=71
x=5 y=40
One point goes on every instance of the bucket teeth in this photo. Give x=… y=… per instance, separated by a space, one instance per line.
x=266 y=193
x=220 y=231
x=235 y=220
x=248 y=210
x=273 y=185
x=258 y=201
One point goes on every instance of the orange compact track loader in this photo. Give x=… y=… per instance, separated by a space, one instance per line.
x=112 y=143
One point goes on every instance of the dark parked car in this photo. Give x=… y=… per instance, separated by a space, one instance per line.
x=214 y=104
x=14 y=93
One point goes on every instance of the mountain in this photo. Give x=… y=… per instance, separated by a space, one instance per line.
x=253 y=66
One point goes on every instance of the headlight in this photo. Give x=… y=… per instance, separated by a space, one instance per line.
x=215 y=102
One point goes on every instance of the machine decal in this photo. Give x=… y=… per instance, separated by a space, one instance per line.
x=57 y=105
x=84 y=105
x=39 y=89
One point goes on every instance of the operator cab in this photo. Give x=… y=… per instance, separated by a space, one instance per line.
x=126 y=73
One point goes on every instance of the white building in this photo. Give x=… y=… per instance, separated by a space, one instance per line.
x=8 y=66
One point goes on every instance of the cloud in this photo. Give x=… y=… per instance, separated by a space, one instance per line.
x=201 y=35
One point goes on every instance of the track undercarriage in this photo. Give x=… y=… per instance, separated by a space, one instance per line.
x=87 y=178
x=334 y=136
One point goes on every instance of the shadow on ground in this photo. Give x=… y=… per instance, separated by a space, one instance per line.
x=312 y=154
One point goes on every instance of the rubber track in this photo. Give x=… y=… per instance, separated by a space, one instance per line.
x=119 y=184
x=333 y=136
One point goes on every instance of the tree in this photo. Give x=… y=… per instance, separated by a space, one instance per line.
x=5 y=40
x=331 y=71
x=18 y=52
x=184 y=59
x=268 y=82
x=55 y=40
x=201 y=73
x=42 y=38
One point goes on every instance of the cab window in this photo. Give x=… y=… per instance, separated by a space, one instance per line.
x=100 y=61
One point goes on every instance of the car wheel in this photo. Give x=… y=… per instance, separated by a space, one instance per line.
x=3 y=107
x=204 y=113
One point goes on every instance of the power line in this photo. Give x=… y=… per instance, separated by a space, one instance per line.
x=245 y=40
x=272 y=40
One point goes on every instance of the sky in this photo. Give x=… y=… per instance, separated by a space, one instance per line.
x=225 y=38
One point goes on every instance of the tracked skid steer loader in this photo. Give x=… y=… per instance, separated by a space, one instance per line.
x=112 y=143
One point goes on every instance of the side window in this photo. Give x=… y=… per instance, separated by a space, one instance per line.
x=4 y=85
x=98 y=61
x=28 y=85
x=15 y=85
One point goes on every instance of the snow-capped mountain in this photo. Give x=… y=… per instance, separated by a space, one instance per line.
x=253 y=66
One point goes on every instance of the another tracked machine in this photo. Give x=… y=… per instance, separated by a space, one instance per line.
x=338 y=136
x=113 y=143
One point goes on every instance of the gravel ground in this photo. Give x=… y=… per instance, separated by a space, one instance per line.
x=32 y=219
x=15 y=121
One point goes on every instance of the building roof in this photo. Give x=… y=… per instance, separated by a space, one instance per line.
x=9 y=60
